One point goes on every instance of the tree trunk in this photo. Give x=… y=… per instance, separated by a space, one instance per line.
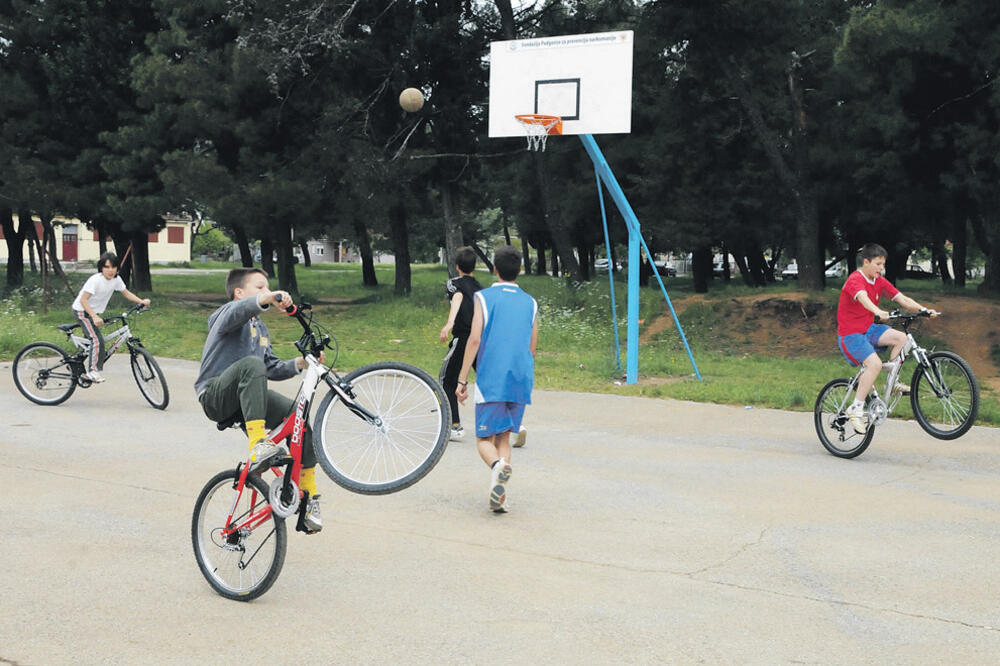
x=142 y=280
x=306 y=259
x=49 y=233
x=286 y=257
x=541 y=268
x=941 y=261
x=368 y=278
x=27 y=225
x=725 y=264
x=122 y=243
x=525 y=255
x=988 y=233
x=701 y=268
x=959 y=250
x=452 y=227
x=555 y=263
x=102 y=236
x=243 y=243
x=561 y=241
x=15 y=248
x=757 y=267
x=267 y=255
x=482 y=255
x=400 y=247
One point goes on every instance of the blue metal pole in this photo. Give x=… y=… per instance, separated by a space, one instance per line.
x=611 y=271
x=605 y=174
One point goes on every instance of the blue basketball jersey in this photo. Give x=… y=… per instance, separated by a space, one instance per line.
x=505 y=368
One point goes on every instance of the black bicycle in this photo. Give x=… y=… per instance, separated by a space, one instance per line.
x=47 y=374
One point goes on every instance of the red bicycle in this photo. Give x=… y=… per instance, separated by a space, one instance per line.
x=380 y=429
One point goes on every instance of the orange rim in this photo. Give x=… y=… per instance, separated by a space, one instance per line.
x=552 y=124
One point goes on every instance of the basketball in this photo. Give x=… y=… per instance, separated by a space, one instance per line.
x=411 y=100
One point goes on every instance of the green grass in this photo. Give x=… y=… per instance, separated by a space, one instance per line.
x=576 y=342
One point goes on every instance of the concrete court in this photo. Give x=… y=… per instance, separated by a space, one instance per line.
x=642 y=531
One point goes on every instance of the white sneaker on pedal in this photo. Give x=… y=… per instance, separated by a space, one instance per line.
x=266 y=452
x=95 y=376
x=312 y=520
x=858 y=417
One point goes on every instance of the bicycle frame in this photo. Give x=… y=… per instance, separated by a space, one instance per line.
x=119 y=335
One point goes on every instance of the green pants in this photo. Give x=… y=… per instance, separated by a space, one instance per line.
x=242 y=390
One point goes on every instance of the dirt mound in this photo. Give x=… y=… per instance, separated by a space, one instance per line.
x=790 y=324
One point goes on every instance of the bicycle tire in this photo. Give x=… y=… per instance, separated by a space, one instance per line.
x=834 y=430
x=149 y=378
x=957 y=409
x=34 y=377
x=374 y=460
x=219 y=562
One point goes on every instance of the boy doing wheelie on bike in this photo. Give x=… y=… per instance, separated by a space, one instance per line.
x=859 y=337
x=92 y=301
x=236 y=362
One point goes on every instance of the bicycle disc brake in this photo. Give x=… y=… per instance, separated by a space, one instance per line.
x=877 y=411
x=280 y=508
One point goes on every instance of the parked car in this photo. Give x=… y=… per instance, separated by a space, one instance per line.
x=601 y=265
x=665 y=269
x=915 y=272
x=791 y=272
x=835 y=271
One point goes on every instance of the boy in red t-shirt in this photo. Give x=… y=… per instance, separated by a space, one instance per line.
x=858 y=336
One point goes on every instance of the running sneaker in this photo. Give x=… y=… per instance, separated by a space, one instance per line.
x=503 y=508
x=858 y=417
x=95 y=376
x=520 y=438
x=499 y=477
x=901 y=389
x=313 y=521
x=265 y=453
x=457 y=434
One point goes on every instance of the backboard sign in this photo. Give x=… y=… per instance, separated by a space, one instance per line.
x=584 y=79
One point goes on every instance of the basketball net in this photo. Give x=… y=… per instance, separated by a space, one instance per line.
x=537 y=128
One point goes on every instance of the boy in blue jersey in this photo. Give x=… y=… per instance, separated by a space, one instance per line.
x=502 y=341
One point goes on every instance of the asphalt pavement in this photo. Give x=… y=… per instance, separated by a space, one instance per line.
x=641 y=531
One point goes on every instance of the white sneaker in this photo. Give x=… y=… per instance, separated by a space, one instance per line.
x=265 y=452
x=95 y=376
x=858 y=417
x=499 y=477
x=520 y=438
x=503 y=508
x=457 y=434
x=312 y=520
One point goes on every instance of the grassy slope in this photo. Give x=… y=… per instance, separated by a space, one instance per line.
x=575 y=347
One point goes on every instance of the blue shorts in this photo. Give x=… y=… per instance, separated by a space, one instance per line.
x=496 y=417
x=856 y=347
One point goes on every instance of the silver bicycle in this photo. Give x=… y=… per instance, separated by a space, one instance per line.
x=47 y=374
x=944 y=395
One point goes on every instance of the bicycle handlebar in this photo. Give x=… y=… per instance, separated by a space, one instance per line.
x=905 y=317
x=312 y=341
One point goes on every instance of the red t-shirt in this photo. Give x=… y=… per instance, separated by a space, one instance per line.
x=852 y=317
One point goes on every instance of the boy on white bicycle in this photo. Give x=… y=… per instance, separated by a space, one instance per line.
x=859 y=337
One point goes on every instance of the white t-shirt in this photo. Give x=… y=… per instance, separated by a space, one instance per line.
x=100 y=289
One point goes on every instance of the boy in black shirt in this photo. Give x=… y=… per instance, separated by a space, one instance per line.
x=459 y=290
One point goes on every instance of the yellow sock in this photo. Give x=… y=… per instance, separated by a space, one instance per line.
x=256 y=430
x=307 y=480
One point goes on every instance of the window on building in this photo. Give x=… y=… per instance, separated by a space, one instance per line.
x=319 y=250
x=154 y=238
x=175 y=234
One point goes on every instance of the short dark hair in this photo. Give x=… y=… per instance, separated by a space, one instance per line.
x=871 y=251
x=507 y=261
x=238 y=277
x=465 y=259
x=107 y=257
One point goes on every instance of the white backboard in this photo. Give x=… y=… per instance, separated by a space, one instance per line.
x=584 y=79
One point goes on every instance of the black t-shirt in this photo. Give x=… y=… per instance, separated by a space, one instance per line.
x=467 y=286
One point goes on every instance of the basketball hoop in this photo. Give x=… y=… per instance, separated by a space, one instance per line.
x=538 y=127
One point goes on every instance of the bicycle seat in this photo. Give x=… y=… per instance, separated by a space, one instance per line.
x=233 y=421
x=66 y=328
